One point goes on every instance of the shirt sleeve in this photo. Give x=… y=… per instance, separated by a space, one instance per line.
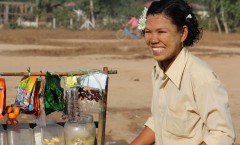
x=150 y=123
x=212 y=102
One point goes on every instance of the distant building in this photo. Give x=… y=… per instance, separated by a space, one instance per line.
x=200 y=10
x=12 y=10
x=70 y=4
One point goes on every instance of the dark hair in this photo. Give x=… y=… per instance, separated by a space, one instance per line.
x=177 y=11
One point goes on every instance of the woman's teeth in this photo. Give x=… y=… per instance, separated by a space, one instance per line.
x=157 y=49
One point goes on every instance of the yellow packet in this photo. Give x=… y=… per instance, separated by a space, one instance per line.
x=71 y=81
x=28 y=83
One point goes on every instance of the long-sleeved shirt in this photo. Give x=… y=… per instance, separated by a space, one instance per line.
x=189 y=104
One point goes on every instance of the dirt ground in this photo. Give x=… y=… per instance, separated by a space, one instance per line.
x=129 y=95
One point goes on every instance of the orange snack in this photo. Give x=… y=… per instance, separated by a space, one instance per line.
x=9 y=109
x=12 y=113
x=16 y=111
x=12 y=116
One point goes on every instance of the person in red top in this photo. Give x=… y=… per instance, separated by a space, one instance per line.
x=133 y=23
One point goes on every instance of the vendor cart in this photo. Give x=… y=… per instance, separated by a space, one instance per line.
x=101 y=123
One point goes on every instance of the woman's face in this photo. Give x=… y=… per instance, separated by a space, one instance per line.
x=163 y=38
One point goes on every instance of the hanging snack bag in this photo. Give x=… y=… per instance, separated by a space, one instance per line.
x=89 y=99
x=25 y=93
x=71 y=81
x=71 y=107
x=53 y=98
x=2 y=96
x=35 y=99
x=91 y=91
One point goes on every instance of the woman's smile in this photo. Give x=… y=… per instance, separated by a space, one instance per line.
x=157 y=50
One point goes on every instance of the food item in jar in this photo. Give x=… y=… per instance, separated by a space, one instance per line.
x=81 y=141
x=52 y=141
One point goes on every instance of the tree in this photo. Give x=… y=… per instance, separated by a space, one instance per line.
x=224 y=14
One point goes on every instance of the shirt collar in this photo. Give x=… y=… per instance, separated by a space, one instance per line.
x=158 y=72
x=175 y=71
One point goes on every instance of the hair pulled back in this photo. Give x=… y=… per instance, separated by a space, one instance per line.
x=180 y=14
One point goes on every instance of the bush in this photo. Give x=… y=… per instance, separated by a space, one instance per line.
x=11 y=25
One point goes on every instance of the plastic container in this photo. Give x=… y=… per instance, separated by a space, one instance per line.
x=51 y=134
x=81 y=132
x=3 y=136
x=20 y=134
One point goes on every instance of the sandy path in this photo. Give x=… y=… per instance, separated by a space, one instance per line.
x=129 y=95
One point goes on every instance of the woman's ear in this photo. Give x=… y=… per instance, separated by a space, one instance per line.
x=184 y=33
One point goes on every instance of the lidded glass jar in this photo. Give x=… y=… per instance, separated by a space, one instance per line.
x=82 y=132
x=51 y=134
x=20 y=134
x=3 y=136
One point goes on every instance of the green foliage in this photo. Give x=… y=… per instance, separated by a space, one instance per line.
x=62 y=16
x=226 y=11
x=203 y=23
x=109 y=25
x=110 y=14
x=113 y=12
x=234 y=15
x=11 y=25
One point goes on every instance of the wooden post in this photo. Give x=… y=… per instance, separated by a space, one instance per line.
x=40 y=73
x=102 y=115
x=55 y=73
x=92 y=14
x=6 y=14
x=71 y=23
x=54 y=23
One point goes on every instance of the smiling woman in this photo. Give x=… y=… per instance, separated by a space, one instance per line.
x=189 y=102
x=164 y=39
x=169 y=29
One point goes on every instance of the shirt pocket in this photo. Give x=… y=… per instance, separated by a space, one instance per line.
x=182 y=124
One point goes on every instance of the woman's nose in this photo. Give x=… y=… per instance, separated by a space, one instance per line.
x=154 y=38
x=153 y=41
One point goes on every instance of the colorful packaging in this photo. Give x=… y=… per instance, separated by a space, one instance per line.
x=2 y=96
x=25 y=92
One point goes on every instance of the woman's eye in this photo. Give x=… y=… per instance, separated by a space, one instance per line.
x=146 y=31
x=160 y=32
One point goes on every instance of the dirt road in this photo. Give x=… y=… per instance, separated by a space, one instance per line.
x=129 y=95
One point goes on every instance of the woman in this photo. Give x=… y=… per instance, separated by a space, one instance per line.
x=189 y=103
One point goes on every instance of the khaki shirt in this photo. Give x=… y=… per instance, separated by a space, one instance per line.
x=189 y=104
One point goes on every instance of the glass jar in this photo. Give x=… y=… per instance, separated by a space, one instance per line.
x=20 y=134
x=51 y=134
x=82 y=132
x=3 y=136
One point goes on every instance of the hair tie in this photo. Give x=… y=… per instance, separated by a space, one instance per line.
x=189 y=16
